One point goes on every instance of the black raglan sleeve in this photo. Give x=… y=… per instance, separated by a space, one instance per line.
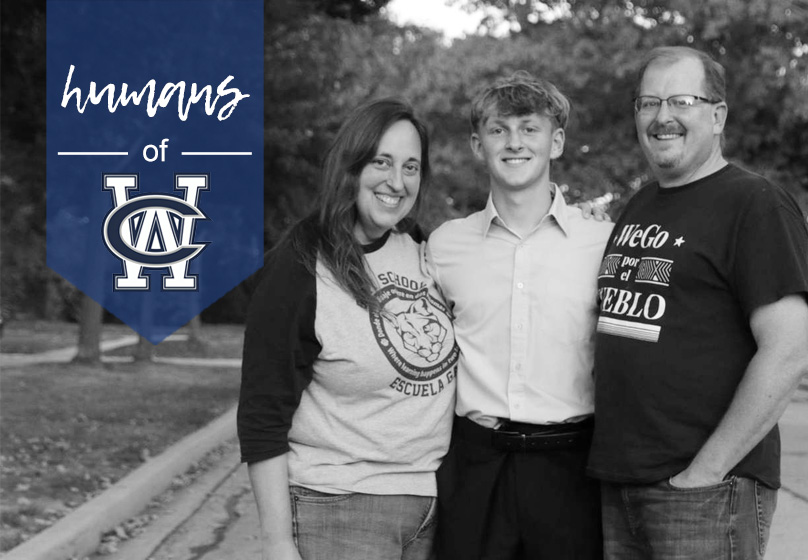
x=280 y=346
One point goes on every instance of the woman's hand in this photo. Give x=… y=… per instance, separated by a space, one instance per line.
x=596 y=211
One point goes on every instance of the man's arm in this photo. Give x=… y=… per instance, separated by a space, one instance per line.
x=270 y=484
x=781 y=332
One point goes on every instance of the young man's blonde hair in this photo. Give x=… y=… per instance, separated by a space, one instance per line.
x=517 y=95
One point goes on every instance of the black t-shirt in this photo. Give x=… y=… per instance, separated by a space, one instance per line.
x=683 y=272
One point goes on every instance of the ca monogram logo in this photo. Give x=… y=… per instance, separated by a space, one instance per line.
x=154 y=231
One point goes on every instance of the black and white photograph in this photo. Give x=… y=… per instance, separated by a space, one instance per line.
x=490 y=280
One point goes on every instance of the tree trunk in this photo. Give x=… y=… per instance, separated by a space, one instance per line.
x=144 y=350
x=195 y=330
x=196 y=343
x=90 y=319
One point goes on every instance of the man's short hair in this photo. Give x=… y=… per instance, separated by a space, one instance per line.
x=715 y=84
x=517 y=95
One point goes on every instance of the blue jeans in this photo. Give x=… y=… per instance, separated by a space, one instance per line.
x=725 y=521
x=362 y=526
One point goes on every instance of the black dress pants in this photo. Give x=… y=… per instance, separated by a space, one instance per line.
x=498 y=505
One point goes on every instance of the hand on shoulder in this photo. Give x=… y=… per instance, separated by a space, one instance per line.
x=590 y=210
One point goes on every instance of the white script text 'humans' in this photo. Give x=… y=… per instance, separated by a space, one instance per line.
x=96 y=97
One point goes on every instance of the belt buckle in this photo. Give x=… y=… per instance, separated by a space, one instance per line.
x=509 y=441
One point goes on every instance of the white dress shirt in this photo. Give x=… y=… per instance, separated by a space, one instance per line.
x=525 y=310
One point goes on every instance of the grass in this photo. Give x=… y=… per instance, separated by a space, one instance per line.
x=68 y=431
x=31 y=337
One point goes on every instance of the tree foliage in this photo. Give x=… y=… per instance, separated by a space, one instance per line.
x=22 y=148
x=763 y=44
x=324 y=57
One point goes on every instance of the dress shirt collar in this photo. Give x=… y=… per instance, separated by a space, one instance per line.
x=558 y=212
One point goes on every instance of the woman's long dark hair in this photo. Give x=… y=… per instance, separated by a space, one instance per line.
x=329 y=232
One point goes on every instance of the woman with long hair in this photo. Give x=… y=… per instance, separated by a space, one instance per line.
x=347 y=391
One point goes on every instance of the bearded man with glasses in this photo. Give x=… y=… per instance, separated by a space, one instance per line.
x=702 y=335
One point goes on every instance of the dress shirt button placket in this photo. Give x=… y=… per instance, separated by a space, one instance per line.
x=518 y=334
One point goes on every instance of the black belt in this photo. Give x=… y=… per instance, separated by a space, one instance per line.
x=519 y=437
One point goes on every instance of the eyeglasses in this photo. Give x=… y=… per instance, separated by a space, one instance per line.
x=650 y=104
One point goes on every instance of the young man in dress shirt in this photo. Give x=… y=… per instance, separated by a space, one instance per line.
x=520 y=277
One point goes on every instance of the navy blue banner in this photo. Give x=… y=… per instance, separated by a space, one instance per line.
x=155 y=153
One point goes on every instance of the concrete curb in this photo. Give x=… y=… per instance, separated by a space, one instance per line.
x=186 y=504
x=65 y=355
x=79 y=533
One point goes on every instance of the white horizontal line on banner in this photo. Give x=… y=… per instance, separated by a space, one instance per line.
x=217 y=153
x=92 y=153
